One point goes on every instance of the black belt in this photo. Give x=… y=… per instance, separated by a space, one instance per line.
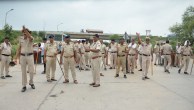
x=102 y=53
x=113 y=52
x=120 y=55
x=27 y=54
x=178 y=53
x=131 y=54
x=140 y=53
x=166 y=54
x=186 y=55
x=145 y=55
x=5 y=55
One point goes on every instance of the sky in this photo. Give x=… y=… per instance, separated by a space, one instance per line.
x=111 y=16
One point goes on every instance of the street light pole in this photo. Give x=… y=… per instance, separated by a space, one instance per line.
x=7 y=14
x=58 y=25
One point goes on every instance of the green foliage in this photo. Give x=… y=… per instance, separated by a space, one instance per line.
x=185 y=30
x=115 y=37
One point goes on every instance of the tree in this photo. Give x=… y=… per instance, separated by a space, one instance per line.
x=185 y=30
x=115 y=37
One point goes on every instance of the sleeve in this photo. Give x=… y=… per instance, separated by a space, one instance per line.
x=1 y=46
x=46 y=47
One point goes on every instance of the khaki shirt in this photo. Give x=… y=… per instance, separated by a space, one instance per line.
x=95 y=45
x=87 y=46
x=26 y=45
x=81 y=47
x=103 y=48
x=146 y=48
x=68 y=49
x=132 y=48
x=140 y=49
x=113 y=47
x=5 y=49
x=156 y=49
x=186 y=50
x=121 y=49
x=166 y=48
x=51 y=48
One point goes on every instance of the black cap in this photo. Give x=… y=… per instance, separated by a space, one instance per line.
x=96 y=35
x=112 y=40
x=51 y=36
x=67 y=36
x=83 y=41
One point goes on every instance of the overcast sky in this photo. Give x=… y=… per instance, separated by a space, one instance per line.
x=111 y=16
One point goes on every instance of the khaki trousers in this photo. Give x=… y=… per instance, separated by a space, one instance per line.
x=5 y=60
x=95 y=64
x=167 y=58
x=82 y=62
x=86 y=58
x=140 y=61
x=186 y=60
x=113 y=59
x=69 y=63
x=24 y=62
x=145 y=65
x=157 y=58
x=103 y=61
x=50 y=65
x=121 y=61
x=177 y=60
x=131 y=61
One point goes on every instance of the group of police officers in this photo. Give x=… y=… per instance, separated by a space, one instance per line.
x=92 y=56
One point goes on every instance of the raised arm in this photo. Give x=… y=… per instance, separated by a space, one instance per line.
x=139 y=39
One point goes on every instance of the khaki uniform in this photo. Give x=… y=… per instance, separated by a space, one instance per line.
x=146 y=57
x=167 y=49
x=51 y=50
x=86 y=54
x=132 y=56
x=76 y=47
x=82 y=56
x=140 y=51
x=69 y=61
x=103 y=53
x=186 y=53
x=157 y=53
x=121 y=58
x=26 y=59
x=5 y=57
x=113 y=55
x=95 y=62
x=178 y=56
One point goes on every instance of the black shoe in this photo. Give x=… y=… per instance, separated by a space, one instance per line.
x=2 y=77
x=96 y=85
x=53 y=80
x=165 y=70
x=117 y=75
x=32 y=86
x=168 y=71
x=105 y=69
x=110 y=68
x=186 y=73
x=125 y=76
x=132 y=72
x=140 y=70
x=43 y=72
x=154 y=64
x=49 y=80
x=86 y=69
x=179 y=71
x=147 y=77
x=23 y=89
x=8 y=76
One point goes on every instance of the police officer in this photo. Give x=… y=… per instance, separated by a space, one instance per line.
x=25 y=51
x=157 y=53
x=42 y=53
x=121 y=58
x=166 y=51
x=5 y=49
x=86 y=46
x=186 y=52
x=113 y=55
x=178 y=55
x=95 y=60
x=104 y=53
x=140 y=50
x=82 y=56
x=50 y=54
x=147 y=55
x=68 y=54
x=132 y=55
